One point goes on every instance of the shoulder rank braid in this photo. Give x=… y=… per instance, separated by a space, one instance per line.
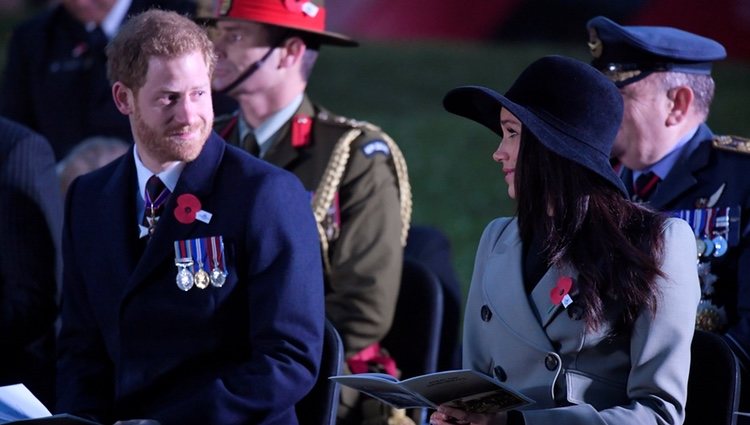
x=732 y=143
x=329 y=183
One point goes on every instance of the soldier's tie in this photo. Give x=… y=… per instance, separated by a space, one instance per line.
x=156 y=196
x=250 y=144
x=644 y=186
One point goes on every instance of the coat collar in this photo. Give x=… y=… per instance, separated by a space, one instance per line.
x=693 y=158
x=197 y=179
x=117 y=204
x=281 y=152
x=503 y=286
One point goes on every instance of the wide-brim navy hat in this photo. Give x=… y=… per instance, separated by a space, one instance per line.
x=572 y=109
x=627 y=54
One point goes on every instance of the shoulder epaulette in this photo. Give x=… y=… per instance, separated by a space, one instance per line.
x=732 y=143
x=341 y=121
x=334 y=172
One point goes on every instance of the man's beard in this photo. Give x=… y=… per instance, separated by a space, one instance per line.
x=164 y=147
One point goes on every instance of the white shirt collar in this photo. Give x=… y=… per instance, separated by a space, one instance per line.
x=168 y=176
x=265 y=132
x=665 y=165
x=111 y=23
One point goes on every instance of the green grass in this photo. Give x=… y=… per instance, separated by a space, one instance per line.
x=457 y=187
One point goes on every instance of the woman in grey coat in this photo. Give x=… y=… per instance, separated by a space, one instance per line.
x=584 y=301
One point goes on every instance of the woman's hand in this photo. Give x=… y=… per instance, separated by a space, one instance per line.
x=451 y=416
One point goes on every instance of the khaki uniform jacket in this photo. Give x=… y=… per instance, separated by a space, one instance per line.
x=365 y=253
x=573 y=375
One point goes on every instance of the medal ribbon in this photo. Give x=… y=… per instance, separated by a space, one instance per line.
x=216 y=245
x=195 y=245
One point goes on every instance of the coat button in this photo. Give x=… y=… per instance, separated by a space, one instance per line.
x=486 y=313
x=500 y=374
x=551 y=362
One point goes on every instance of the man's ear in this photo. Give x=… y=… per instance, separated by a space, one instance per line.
x=124 y=99
x=681 y=102
x=292 y=52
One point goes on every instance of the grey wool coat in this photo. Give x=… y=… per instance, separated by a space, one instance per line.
x=577 y=376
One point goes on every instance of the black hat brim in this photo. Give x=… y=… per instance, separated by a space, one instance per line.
x=483 y=105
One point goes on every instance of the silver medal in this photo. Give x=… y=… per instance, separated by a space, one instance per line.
x=218 y=277
x=184 y=279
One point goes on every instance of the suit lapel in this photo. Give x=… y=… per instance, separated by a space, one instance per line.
x=541 y=296
x=197 y=179
x=682 y=175
x=282 y=153
x=503 y=287
x=117 y=205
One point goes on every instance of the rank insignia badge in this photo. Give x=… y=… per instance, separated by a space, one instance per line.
x=200 y=262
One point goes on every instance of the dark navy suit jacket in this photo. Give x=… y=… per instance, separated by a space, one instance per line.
x=30 y=227
x=701 y=173
x=133 y=345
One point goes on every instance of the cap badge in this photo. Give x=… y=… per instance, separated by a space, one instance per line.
x=224 y=6
x=595 y=43
x=304 y=6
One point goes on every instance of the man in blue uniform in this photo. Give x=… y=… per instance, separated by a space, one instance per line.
x=671 y=159
x=192 y=289
x=55 y=78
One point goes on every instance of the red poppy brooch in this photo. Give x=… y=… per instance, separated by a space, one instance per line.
x=561 y=292
x=189 y=209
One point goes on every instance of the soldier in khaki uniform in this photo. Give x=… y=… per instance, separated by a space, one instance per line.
x=355 y=173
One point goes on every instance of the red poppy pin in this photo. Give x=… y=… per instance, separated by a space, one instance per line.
x=189 y=209
x=188 y=206
x=559 y=294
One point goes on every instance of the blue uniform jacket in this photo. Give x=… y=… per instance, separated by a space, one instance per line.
x=134 y=345
x=707 y=176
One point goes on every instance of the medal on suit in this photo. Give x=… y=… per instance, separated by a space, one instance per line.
x=201 y=277
x=183 y=259
x=215 y=246
x=184 y=277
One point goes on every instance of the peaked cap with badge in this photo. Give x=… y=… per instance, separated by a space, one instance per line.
x=707 y=185
x=629 y=53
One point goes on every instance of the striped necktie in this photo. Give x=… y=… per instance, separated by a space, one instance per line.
x=156 y=196
x=644 y=186
x=250 y=144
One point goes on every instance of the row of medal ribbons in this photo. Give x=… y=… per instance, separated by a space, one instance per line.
x=715 y=229
x=200 y=262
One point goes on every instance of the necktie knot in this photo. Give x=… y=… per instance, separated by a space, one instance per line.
x=156 y=196
x=645 y=185
x=250 y=144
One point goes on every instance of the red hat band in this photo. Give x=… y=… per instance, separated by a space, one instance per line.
x=298 y=14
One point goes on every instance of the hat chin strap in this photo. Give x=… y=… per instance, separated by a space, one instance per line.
x=249 y=71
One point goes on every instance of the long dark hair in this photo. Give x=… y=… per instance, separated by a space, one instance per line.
x=613 y=243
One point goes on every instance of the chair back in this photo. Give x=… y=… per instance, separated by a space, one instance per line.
x=714 y=382
x=319 y=406
x=414 y=338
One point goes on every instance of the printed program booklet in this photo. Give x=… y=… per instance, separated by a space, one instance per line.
x=464 y=389
x=19 y=405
